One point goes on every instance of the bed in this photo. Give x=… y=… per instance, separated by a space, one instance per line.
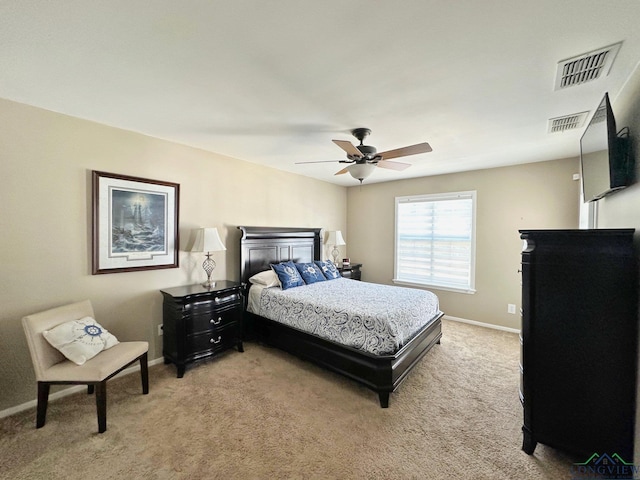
x=382 y=371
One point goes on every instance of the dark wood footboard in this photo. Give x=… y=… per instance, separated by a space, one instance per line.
x=381 y=373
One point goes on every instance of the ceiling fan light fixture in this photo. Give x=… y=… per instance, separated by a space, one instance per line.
x=360 y=171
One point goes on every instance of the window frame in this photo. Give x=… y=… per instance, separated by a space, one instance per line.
x=434 y=197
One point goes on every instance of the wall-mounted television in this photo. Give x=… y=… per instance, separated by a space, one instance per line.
x=605 y=159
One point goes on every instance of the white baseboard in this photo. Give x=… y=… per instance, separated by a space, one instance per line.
x=481 y=324
x=68 y=391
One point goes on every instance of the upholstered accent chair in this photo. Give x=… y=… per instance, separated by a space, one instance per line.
x=52 y=367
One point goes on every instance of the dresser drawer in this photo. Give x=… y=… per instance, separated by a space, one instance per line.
x=521 y=365
x=210 y=320
x=521 y=385
x=205 y=343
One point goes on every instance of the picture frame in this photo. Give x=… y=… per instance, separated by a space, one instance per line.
x=135 y=223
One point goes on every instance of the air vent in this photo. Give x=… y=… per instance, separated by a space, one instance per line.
x=584 y=68
x=568 y=122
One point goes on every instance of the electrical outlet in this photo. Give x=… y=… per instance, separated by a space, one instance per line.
x=511 y=308
x=159 y=330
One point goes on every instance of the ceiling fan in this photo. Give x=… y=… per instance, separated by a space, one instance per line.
x=364 y=158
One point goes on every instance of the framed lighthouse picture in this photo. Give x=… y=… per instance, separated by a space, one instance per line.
x=135 y=223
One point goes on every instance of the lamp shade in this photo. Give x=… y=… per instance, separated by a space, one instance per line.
x=335 y=238
x=360 y=171
x=207 y=240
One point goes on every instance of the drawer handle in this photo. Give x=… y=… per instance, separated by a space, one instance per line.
x=211 y=340
x=216 y=322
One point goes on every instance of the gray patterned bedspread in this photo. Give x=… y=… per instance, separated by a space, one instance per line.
x=378 y=319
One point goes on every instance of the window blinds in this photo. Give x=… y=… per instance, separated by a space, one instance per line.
x=435 y=240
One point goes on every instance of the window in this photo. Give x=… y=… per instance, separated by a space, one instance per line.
x=435 y=241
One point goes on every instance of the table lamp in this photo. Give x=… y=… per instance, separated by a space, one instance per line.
x=335 y=238
x=208 y=240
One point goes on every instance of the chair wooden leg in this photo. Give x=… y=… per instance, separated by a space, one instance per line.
x=144 y=373
x=101 y=405
x=43 y=400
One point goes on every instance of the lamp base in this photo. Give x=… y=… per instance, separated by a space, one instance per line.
x=209 y=265
x=335 y=253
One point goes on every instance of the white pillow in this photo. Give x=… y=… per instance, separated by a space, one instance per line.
x=80 y=340
x=268 y=278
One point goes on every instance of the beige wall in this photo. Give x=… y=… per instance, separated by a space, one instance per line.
x=537 y=195
x=45 y=203
x=622 y=209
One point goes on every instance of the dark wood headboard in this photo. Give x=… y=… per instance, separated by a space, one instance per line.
x=260 y=246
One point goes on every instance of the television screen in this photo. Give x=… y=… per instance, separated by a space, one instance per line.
x=602 y=159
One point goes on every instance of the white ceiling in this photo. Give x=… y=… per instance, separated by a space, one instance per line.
x=274 y=82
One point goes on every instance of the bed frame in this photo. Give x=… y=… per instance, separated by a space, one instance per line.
x=260 y=246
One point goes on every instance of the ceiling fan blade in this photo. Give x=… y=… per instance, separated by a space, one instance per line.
x=344 y=170
x=321 y=161
x=348 y=147
x=406 y=151
x=393 y=165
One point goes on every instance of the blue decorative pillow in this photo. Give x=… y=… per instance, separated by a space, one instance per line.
x=328 y=269
x=287 y=274
x=310 y=272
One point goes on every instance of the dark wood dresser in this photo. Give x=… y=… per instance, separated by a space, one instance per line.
x=200 y=323
x=579 y=341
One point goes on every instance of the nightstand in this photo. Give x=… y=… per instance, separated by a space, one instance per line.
x=352 y=271
x=200 y=322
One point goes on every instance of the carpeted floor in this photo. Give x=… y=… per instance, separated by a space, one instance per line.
x=264 y=414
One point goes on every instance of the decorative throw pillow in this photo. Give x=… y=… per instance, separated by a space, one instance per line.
x=268 y=278
x=328 y=269
x=80 y=340
x=288 y=275
x=310 y=272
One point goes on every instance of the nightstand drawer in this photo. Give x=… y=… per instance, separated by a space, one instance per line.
x=227 y=298
x=204 y=305
x=352 y=274
x=205 y=343
x=353 y=271
x=212 y=319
